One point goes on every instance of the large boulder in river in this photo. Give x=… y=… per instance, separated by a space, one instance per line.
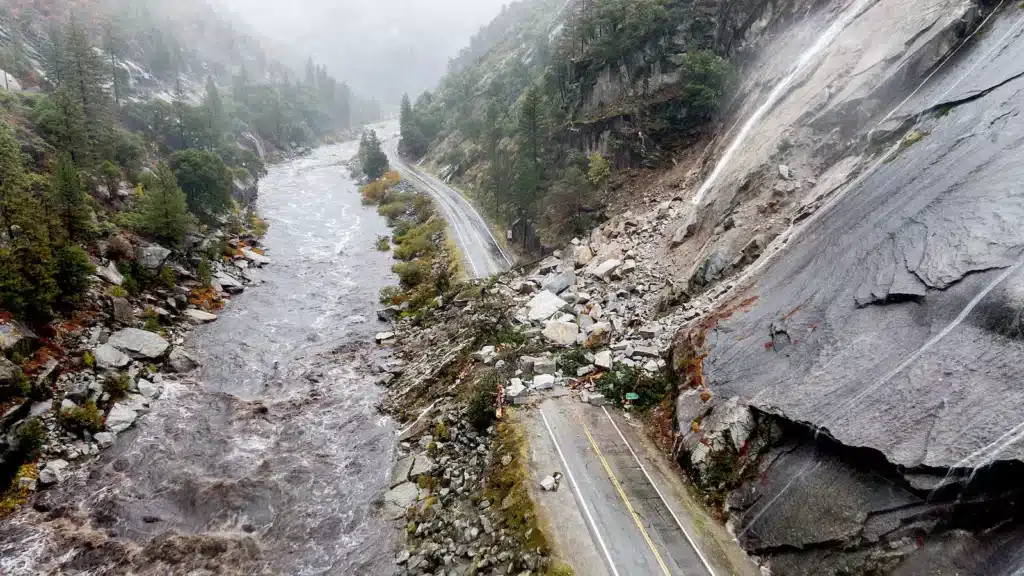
x=180 y=361
x=152 y=256
x=139 y=343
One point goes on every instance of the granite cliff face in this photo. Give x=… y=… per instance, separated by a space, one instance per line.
x=864 y=367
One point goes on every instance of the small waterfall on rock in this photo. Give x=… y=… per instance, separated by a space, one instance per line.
x=257 y=143
x=802 y=65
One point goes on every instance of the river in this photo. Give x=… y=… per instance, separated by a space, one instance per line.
x=248 y=468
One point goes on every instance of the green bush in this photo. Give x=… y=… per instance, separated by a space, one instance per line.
x=82 y=418
x=21 y=387
x=205 y=273
x=117 y=384
x=650 y=388
x=411 y=274
x=30 y=437
x=393 y=210
x=383 y=243
x=152 y=324
x=88 y=359
x=167 y=278
x=74 y=271
x=388 y=295
x=483 y=400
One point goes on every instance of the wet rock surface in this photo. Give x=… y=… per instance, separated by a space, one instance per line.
x=872 y=351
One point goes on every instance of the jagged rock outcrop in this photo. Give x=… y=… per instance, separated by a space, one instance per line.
x=872 y=352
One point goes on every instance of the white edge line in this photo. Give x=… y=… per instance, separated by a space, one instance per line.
x=579 y=496
x=689 y=539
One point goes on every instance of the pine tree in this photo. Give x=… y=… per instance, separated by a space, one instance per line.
x=84 y=74
x=371 y=156
x=213 y=113
x=111 y=46
x=70 y=134
x=12 y=180
x=413 y=143
x=27 y=284
x=529 y=142
x=163 y=209
x=69 y=199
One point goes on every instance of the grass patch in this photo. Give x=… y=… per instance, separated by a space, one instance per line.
x=507 y=486
x=82 y=418
x=15 y=497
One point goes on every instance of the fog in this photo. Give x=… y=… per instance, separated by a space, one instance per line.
x=382 y=48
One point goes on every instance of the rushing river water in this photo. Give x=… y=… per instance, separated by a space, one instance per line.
x=247 y=467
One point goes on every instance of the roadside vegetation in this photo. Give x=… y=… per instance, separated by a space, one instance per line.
x=427 y=267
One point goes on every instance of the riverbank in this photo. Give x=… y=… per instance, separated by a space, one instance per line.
x=92 y=376
x=235 y=468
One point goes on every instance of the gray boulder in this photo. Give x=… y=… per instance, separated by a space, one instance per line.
x=561 y=333
x=139 y=343
x=229 y=283
x=152 y=256
x=104 y=439
x=16 y=337
x=9 y=371
x=120 y=418
x=108 y=357
x=199 y=316
x=179 y=361
x=110 y=274
x=559 y=282
x=123 y=312
x=53 y=472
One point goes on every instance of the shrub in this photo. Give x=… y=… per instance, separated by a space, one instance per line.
x=117 y=384
x=20 y=387
x=483 y=400
x=152 y=324
x=623 y=379
x=111 y=176
x=393 y=210
x=205 y=273
x=388 y=294
x=383 y=243
x=30 y=437
x=205 y=179
x=442 y=433
x=88 y=359
x=411 y=274
x=82 y=418
x=167 y=278
x=117 y=292
x=119 y=249
x=73 y=272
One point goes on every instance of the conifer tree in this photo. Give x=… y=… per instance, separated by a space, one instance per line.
x=163 y=209
x=69 y=199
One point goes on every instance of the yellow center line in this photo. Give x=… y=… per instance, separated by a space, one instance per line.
x=625 y=499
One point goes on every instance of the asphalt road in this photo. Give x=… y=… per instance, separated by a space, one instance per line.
x=616 y=512
x=483 y=254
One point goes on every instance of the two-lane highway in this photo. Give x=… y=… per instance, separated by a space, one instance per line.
x=482 y=252
x=617 y=512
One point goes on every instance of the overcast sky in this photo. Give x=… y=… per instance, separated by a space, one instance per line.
x=381 y=47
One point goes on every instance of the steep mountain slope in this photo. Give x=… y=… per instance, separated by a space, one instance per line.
x=845 y=249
